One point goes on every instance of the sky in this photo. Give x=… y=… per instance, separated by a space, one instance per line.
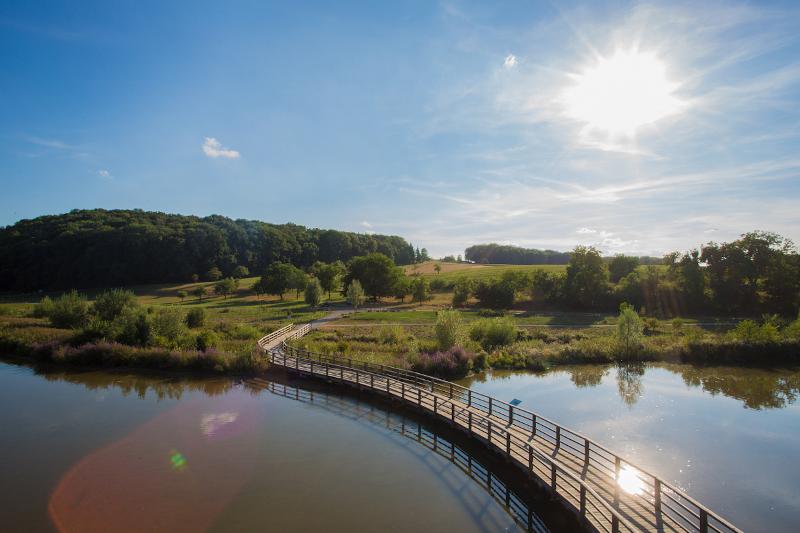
x=634 y=127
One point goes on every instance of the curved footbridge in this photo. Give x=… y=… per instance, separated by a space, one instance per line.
x=608 y=492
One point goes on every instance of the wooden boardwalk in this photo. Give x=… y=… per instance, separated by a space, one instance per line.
x=608 y=492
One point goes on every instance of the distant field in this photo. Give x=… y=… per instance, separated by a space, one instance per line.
x=455 y=271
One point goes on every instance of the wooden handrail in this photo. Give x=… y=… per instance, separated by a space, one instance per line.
x=581 y=447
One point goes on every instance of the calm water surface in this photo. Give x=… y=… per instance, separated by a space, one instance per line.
x=729 y=436
x=102 y=451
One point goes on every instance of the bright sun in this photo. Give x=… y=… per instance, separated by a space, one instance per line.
x=622 y=93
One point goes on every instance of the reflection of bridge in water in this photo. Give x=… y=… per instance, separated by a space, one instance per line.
x=606 y=491
x=427 y=446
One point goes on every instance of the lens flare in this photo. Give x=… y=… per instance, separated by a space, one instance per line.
x=629 y=480
x=178 y=460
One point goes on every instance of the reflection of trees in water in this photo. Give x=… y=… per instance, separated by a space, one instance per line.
x=629 y=382
x=162 y=386
x=757 y=388
x=587 y=375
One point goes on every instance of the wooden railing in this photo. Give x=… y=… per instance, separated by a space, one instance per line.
x=500 y=490
x=590 y=505
x=506 y=422
x=264 y=341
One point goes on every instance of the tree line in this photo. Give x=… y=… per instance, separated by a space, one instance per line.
x=755 y=274
x=506 y=254
x=102 y=248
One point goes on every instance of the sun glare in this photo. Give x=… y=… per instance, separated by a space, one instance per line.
x=622 y=93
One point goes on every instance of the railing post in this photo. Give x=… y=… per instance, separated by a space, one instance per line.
x=469 y=421
x=469 y=397
x=451 y=391
x=583 y=501
x=419 y=396
x=508 y=443
x=614 y=524
x=530 y=458
x=703 y=521
x=490 y=406
x=586 y=452
x=452 y=412
x=372 y=381
x=553 y=476
x=616 y=479
x=657 y=496
x=327 y=369
x=489 y=432
x=435 y=407
x=403 y=390
x=510 y=415
x=533 y=427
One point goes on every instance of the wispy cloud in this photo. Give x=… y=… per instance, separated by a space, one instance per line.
x=213 y=148
x=510 y=62
x=366 y=224
x=103 y=173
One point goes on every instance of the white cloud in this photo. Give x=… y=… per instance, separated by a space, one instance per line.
x=586 y=231
x=510 y=62
x=103 y=173
x=366 y=224
x=213 y=148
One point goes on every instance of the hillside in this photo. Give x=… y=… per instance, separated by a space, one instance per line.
x=96 y=248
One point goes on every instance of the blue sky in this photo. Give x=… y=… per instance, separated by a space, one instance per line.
x=450 y=123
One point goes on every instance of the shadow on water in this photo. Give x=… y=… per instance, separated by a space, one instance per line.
x=529 y=505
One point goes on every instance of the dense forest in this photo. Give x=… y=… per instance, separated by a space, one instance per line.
x=94 y=248
x=506 y=254
x=514 y=255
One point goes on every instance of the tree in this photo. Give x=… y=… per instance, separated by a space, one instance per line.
x=449 y=329
x=110 y=304
x=225 y=287
x=70 y=310
x=355 y=294
x=496 y=294
x=241 y=272
x=329 y=275
x=313 y=292
x=547 y=287
x=586 y=282
x=462 y=290
x=298 y=280
x=376 y=272
x=182 y=295
x=199 y=292
x=402 y=288
x=419 y=289
x=277 y=279
x=437 y=268
x=620 y=266
x=213 y=274
x=629 y=329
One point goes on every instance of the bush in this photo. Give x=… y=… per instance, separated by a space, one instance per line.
x=111 y=304
x=749 y=331
x=496 y=294
x=494 y=332
x=168 y=326
x=135 y=328
x=462 y=291
x=629 y=329
x=207 y=340
x=792 y=331
x=391 y=334
x=449 y=329
x=453 y=363
x=44 y=308
x=70 y=310
x=196 y=317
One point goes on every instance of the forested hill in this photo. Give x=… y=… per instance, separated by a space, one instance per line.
x=514 y=255
x=95 y=248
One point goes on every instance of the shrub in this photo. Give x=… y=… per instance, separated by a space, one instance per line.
x=629 y=329
x=449 y=329
x=462 y=291
x=494 y=332
x=168 y=326
x=44 y=308
x=242 y=332
x=196 y=317
x=110 y=304
x=749 y=331
x=134 y=327
x=792 y=331
x=453 y=363
x=70 y=310
x=240 y=272
x=496 y=294
x=207 y=340
x=391 y=334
